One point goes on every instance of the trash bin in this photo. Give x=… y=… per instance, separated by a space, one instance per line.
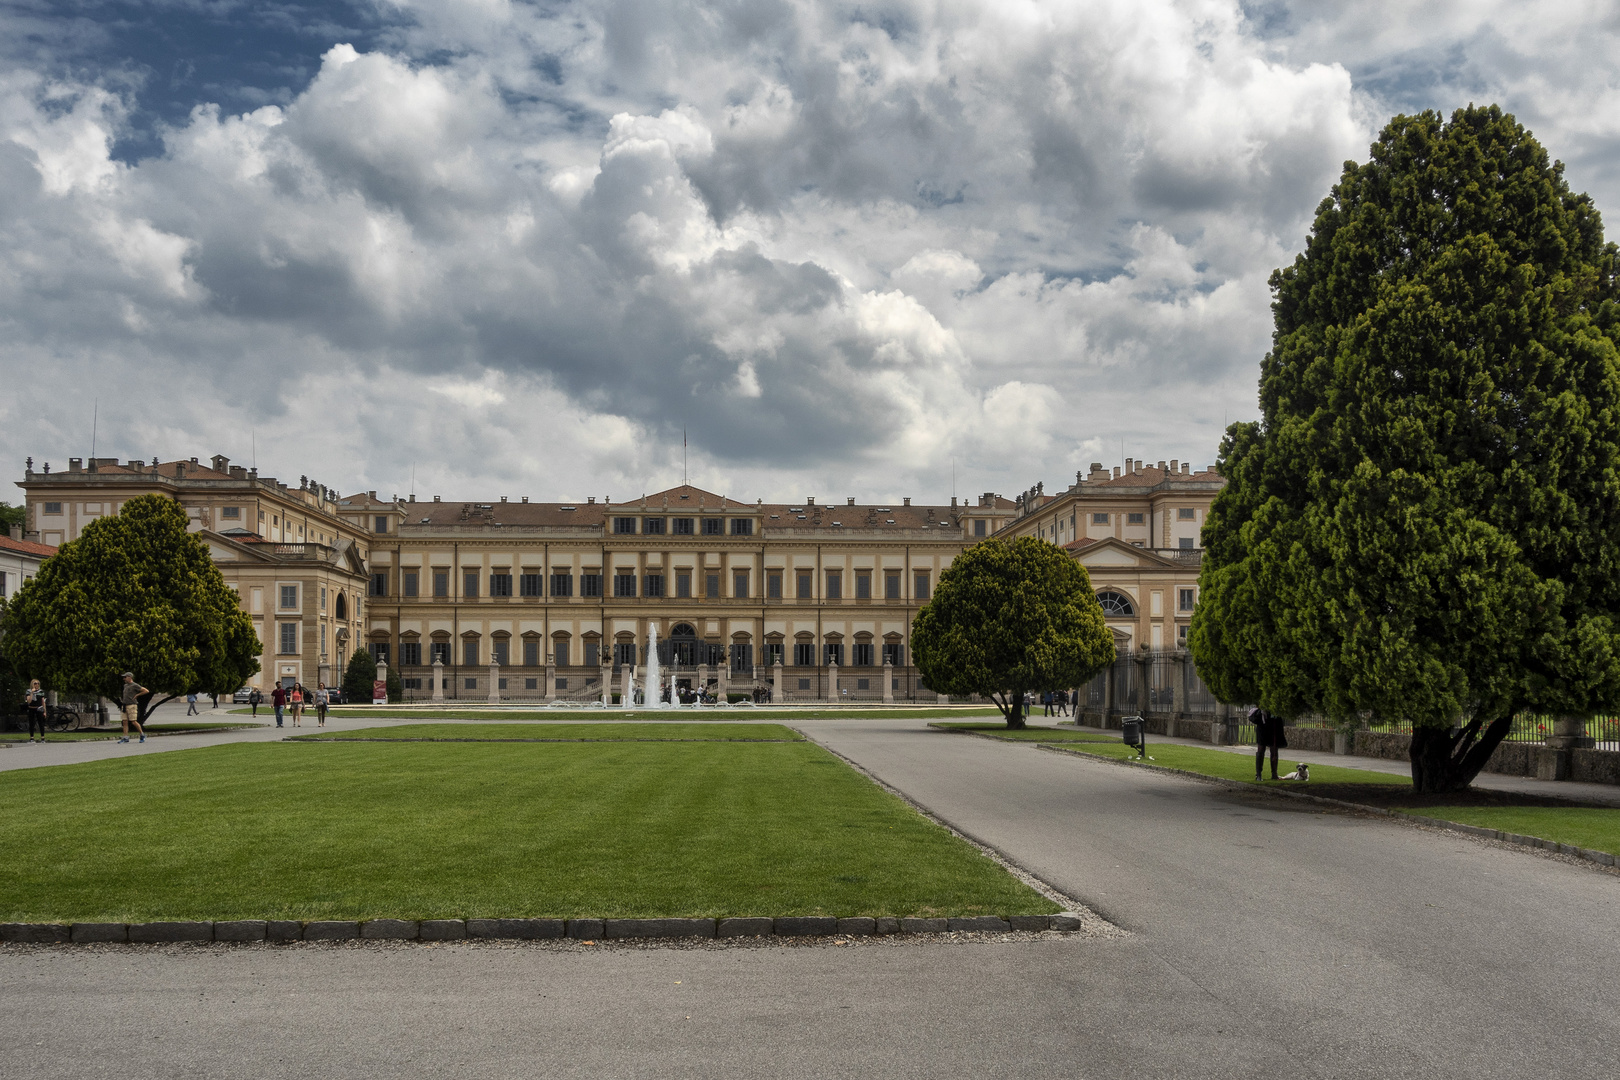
x=1131 y=728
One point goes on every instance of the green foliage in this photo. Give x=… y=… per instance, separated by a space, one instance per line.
x=12 y=515
x=134 y=592
x=358 y=677
x=1011 y=616
x=396 y=686
x=1423 y=523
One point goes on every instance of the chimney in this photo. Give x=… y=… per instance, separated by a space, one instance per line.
x=16 y=532
x=1161 y=466
x=809 y=500
x=435 y=498
x=850 y=501
x=221 y=463
x=1175 y=466
x=1116 y=472
x=1186 y=467
x=906 y=501
x=238 y=472
x=590 y=500
x=179 y=470
x=373 y=495
x=953 y=500
x=525 y=498
x=75 y=464
x=503 y=498
x=194 y=461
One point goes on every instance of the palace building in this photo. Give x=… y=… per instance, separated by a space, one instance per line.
x=544 y=601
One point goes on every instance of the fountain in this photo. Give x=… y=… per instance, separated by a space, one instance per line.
x=653 y=682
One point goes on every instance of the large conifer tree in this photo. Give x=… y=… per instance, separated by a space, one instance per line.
x=1425 y=523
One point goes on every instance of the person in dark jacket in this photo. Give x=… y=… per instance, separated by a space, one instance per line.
x=34 y=699
x=278 y=698
x=1268 y=735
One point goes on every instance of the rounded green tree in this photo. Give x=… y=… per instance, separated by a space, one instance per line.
x=1010 y=617
x=359 y=678
x=135 y=592
x=1424 y=523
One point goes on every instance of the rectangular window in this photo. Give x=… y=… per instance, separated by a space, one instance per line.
x=531 y=653
x=892 y=653
x=531 y=684
x=469 y=684
x=1186 y=543
x=922 y=585
x=234 y=513
x=562 y=584
x=593 y=654
x=410 y=583
x=289 y=596
x=624 y=584
x=624 y=654
x=891 y=586
x=469 y=653
x=559 y=653
x=323 y=597
x=833 y=653
x=863 y=585
x=1099 y=519
x=501 y=684
x=742 y=526
x=562 y=684
x=652 y=585
x=804 y=654
x=863 y=684
x=624 y=525
x=380 y=524
x=1184 y=599
x=531 y=585
x=711 y=586
x=439 y=652
x=653 y=526
x=500 y=584
x=739 y=584
x=53 y=508
x=410 y=653
x=862 y=654
x=413 y=684
x=773 y=585
x=1186 y=513
x=379 y=651
x=590 y=584
x=441 y=583
x=773 y=653
x=683 y=584
x=742 y=658
x=501 y=650
x=1181 y=635
x=1136 y=519
x=804 y=684
x=835 y=584
x=469 y=584
x=714 y=526
x=978 y=527
x=680 y=526
x=2 y=583
x=289 y=639
x=806 y=586
x=379 y=585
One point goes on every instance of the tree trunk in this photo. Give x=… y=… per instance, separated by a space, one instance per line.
x=1444 y=762
x=1015 y=713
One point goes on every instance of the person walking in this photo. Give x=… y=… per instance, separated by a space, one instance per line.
x=296 y=700
x=191 y=704
x=1268 y=735
x=254 y=697
x=34 y=699
x=323 y=698
x=279 y=699
x=132 y=705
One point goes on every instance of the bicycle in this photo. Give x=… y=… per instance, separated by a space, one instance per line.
x=62 y=718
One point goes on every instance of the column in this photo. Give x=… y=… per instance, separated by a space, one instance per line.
x=438 y=678
x=888 y=682
x=1569 y=733
x=832 y=682
x=779 y=690
x=382 y=677
x=607 y=685
x=551 y=679
x=494 y=683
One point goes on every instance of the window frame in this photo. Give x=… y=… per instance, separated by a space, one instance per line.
x=835 y=584
x=713 y=526
x=624 y=526
x=682 y=526
x=653 y=526
x=742 y=526
x=500 y=584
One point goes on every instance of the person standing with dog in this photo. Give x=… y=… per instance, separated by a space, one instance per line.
x=1268 y=735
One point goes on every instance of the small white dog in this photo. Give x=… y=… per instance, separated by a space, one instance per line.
x=1301 y=773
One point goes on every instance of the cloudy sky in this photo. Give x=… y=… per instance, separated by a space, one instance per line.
x=846 y=247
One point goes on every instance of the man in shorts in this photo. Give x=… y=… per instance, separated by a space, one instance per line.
x=132 y=705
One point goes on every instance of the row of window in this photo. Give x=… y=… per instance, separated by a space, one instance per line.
x=683 y=526
x=740 y=655
x=1118 y=605
x=1183 y=513
x=650 y=585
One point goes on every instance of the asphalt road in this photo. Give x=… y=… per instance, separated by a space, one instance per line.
x=1265 y=940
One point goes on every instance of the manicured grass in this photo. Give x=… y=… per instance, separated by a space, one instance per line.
x=1583 y=826
x=1029 y=734
x=114 y=732
x=734 y=713
x=566 y=733
x=443 y=830
x=1230 y=766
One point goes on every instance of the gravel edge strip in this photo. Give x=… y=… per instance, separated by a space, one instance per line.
x=1600 y=858
x=344 y=738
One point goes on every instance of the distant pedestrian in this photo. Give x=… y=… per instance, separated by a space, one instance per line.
x=1046 y=701
x=296 y=700
x=323 y=698
x=191 y=704
x=132 y=705
x=34 y=699
x=254 y=697
x=1268 y=735
x=278 y=698
x=216 y=700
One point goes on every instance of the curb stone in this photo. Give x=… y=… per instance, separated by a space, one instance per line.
x=744 y=927
x=151 y=932
x=585 y=929
x=859 y=926
x=241 y=930
x=283 y=930
x=1602 y=858
x=442 y=930
x=331 y=930
x=657 y=928
x=388 y=929
x=805 y=925
x=528 y=929
x=886 y=924
x=86 y=932
x=36 y=933
x=979 y=922
x=924 y=926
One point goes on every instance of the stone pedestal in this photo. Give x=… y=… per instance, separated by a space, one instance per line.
x=438 y=679
x=832 y=682
x=1569 y=733
x=888 y=682
x=607 y=685
x=549 y=691
x=779 y=687
x=494 y=684
x=382 y=677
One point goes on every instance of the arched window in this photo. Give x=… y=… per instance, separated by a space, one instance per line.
x=342 y=607
x=1115 y=604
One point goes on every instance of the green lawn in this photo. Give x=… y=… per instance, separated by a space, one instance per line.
x=444 y=830
x=1582 y=826
x=1229 y=766
x=581 y=732
x=115 y=732
x=735 y=712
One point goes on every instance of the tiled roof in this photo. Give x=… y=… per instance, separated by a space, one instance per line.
x=772 y=516
x=1152 y=475
x=26 y=547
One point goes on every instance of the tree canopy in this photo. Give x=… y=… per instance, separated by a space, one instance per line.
x=359 y=678
x=135 y=592
x=1423 y=523
x=1008 y=617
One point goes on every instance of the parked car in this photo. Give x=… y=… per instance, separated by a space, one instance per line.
x=241 y=696
x=336 y=693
